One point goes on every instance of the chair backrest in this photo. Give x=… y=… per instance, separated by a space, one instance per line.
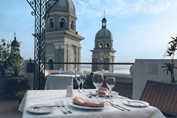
x=161 y=95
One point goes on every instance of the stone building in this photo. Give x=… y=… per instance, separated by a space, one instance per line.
x=103 y=51
x=62 y=40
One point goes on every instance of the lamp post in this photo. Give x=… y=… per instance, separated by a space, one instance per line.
x=40 y=11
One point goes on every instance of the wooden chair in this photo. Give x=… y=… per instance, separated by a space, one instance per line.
x=162 y=96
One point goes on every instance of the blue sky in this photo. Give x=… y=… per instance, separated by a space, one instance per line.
x=141 y=29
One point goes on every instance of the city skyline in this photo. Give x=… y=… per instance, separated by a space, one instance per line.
x=141 y=29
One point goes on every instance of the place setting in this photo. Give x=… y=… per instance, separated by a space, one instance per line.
x=98 y=99
x=41 y=108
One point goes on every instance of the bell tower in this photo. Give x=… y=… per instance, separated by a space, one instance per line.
x=62 y=39
x=103 y=51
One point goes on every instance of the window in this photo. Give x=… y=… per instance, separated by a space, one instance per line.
x=62 y=23
x=50 y=64
x=72 y=25
x=51 y=23
x=107 y=45
x=101 y=45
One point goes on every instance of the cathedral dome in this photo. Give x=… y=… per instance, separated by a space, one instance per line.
x=104 y=33
x=65 y=6
x=15 y=43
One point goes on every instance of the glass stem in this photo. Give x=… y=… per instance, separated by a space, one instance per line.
x=82 y=86
x=79 y=87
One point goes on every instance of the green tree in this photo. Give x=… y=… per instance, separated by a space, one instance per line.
x=169 y=67
x=4 y=54
x=15 y=64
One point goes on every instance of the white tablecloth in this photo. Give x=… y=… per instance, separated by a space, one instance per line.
x=33 y=97
x=58 y=81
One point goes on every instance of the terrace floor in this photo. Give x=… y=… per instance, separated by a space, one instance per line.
x=9 y=107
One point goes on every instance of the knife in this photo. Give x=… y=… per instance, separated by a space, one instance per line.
x=118 y=106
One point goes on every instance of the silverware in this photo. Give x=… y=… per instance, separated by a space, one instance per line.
x=62 y=105
x=57 y=103
x=119 y=107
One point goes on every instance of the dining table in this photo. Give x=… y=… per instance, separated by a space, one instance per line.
x=46 y=104
x=58 y=81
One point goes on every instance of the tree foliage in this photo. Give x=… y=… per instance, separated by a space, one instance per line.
x=15 y=63
x=4 y=54
x=169 y=67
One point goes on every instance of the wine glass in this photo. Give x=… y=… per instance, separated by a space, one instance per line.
x=110 y=82
x=83 y=79
x=97 y=80
x=78 y=80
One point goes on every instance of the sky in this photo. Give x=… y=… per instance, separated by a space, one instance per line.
x=141 y=29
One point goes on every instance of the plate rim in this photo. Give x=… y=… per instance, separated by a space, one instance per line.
x=85 y=107
x=113 y=92
x=51 y=109
x=146 y=104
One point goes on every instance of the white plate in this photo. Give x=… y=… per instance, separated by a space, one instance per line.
x=84 y=107
x=40 y=109
x=113 y=94
x=136 y=103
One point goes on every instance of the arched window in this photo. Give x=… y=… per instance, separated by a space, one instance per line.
x=107 y=45
x=101 y=45
x=72 y=25
x=62 y=23
x=51 y=23
x=50 y=64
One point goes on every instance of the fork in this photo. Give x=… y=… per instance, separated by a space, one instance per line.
x=57 y=104
x=62 y=105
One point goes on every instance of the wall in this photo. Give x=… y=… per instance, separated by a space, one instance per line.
x=147 y=69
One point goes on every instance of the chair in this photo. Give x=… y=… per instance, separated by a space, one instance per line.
x=161 y=95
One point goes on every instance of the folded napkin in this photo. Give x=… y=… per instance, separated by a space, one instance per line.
x=81 y=101
x=103 y=91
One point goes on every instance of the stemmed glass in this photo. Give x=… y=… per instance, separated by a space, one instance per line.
x=83 y=79
x=79 y=81
x=110 y=82
x=97 y=80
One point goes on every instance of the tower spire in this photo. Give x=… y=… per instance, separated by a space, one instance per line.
x=14 y=36
x=104 y=21
x=104 y=14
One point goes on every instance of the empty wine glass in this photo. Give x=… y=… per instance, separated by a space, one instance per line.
x=98 y=79
x=83 y=79
x=79 y=81
x=110 y=82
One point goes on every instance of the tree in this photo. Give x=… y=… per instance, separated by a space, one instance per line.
x=169 y=67
x=4 y=54
x=15 y=63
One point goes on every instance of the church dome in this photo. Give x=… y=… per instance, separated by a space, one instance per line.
x=65 y=6
x=15 y=43
x=104 y=33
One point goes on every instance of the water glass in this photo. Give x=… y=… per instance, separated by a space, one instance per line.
x=97 y=80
